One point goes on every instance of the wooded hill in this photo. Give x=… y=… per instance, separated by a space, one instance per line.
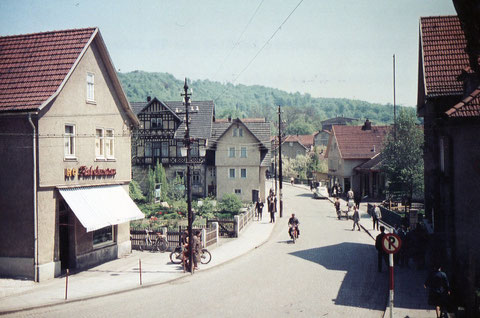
x=302 y=112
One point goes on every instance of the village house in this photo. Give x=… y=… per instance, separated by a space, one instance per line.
x=321 y=137
x=449 y=102
x=353 y=150
x=160 y=138
x=241 y=157
x=296 y=145
x=65 y=126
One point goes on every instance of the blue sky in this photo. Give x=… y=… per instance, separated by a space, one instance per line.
x=336 y=48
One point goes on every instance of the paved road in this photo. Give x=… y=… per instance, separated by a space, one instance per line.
x=329 y=272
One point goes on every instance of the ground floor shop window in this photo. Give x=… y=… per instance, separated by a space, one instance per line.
x=103 y=235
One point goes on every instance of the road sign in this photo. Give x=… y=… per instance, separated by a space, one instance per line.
x=391 y=243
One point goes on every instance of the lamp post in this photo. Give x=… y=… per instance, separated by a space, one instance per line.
x=187 y=143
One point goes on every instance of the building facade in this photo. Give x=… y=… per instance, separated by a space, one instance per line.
x=65 y=144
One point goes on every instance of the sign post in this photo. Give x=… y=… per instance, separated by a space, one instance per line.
x=391 y=244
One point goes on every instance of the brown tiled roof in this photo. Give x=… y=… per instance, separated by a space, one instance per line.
x=355 y=143
x=443 y=54
x=468 y=107
x=304 y=140
x=33 y=66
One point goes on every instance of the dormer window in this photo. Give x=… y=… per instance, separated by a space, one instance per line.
x=90 y=87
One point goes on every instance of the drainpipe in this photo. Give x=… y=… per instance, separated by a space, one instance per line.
x=35 y=212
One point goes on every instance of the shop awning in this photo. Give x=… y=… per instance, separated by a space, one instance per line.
x=97 y=207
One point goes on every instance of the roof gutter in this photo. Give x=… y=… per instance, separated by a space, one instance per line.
x=35 y=209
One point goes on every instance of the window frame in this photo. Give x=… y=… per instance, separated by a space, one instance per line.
x=231 y=152
x=101 y=141
x=111 y=141
x=230 y=175
x=243 y=152
x=237 y=191
x=105 y=242
x=242 y=174
x=90 y=87
x=71 y=138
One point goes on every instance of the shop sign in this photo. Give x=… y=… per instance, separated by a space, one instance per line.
x=86 y=172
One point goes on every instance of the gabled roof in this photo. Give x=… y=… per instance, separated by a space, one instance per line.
x=35 y=67
x=468 y=107
x=304 y=140
x=443 y=56
x=355 y=143
x=258 y=127
x=337 y=119
x=373 y=164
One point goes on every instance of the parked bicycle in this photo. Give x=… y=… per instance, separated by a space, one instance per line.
x=177 y=256
x=159 y=243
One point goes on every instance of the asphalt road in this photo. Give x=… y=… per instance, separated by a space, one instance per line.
x=329 y=272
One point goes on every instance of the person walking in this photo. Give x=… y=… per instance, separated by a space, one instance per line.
x=337 y=208
x=197 y=247
x=272 y=206
x=376 y=216
x=356 y=218
x=380 y=252
x=439 y=289
x=259 y=207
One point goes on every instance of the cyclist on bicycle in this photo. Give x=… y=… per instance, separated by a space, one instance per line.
x=293 y=223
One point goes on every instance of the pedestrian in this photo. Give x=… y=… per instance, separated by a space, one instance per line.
x=438 y=290
x=402 y=258
x=381 y=254
x=376 y=216
x=259 y=207
x=357 y=199
x=356 y=218
x=272 y=206
x=337 y=208
x=350 y=202
x=197 y=248
x=292 y=180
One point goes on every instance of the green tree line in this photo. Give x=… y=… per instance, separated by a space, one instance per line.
x=302 y=113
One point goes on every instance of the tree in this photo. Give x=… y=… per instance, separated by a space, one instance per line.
x=161 y=177
x=403 y=157
x=230 y=203
x=150 y=186
x=135 y=191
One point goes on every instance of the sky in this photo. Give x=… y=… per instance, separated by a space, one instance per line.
x=335 y=48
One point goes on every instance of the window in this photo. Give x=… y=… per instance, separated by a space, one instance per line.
x=194 y=151
x=99 y=143
x=232 y=173
x=237 y=132
x=234 y=132
x=243 y=152
x=148 y=149
x=90 y=87
x=232 y=152
x=240 y=132
x=109 y=144
x=69 y=141
x=243 y=173
x=238 y=191
x=179 y=148
x=156 y=149
x=103 y=235
x=156 y=123
x=196 y=177
x=165 y=149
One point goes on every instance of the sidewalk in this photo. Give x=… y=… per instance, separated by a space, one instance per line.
x=123 y=274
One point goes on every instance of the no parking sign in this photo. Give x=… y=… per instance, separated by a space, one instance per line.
x=391 y=243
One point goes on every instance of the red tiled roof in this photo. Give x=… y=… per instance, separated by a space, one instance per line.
x=33 y=66
x=355 y=143
x=305 y=140
x=443 y=45
x=468 y=107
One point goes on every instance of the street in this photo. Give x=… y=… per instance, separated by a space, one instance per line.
x=329 y=272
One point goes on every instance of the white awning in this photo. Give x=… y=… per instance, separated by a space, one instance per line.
x=97 y=207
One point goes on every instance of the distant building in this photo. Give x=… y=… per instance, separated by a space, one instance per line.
x=449 y=102
x=65 y=126
x=321 y=137
x=295 y=145
x=350 y=148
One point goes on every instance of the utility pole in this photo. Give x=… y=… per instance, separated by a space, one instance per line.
x=280 y=177
x=394 y=106
x=187 y=143
x=275 y=165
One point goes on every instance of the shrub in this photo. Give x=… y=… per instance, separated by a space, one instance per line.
x=135 y=192
x=230 y=203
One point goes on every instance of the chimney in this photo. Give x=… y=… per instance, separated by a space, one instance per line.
x=367 y=125
x=229 y=119
x=149 y=98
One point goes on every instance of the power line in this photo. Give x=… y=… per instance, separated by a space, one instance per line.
x=261 y=49
x=237 y=43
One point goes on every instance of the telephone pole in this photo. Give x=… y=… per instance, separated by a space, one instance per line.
x=280 y=177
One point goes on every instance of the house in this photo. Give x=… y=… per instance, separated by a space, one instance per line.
x=321 y=137
x=241 y=158
x=350 y=147
x=295 y=145
x=65 y=126
x=449 y=102
x=160 y=138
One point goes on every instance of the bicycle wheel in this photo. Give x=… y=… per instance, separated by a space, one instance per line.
x=162 y=246
x=176 y=256
x=205 y=257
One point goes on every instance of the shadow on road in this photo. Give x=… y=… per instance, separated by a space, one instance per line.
x=362 y=286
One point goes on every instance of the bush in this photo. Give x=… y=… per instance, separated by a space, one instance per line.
x=230 y=203
x=135 y=192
